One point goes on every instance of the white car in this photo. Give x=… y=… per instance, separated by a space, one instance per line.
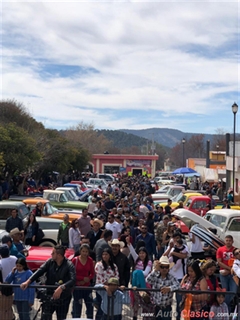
x=225 y=221
x=50 y=228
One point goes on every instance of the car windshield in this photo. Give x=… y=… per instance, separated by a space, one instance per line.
x=63 y=198
x=73 y=194
x=234 y=225
x=180 y=197
x=23 y=212
x=216 y=219
x=48 y=209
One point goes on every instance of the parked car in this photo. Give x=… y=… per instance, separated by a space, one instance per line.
x=171 y=192
x=106 y=176
x=96 y=182
x=6 y=208
x=82 y=184
x=70 y=193
x=38 y=255
x=51 y=212
x=58 y=199
x=163 y=189
x=225 y=221
x=180 y=197
x=76 y=188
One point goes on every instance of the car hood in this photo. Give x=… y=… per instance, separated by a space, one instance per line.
x=190 y=218
x=207 y=236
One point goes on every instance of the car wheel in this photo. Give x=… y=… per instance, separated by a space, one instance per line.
x=47 y=243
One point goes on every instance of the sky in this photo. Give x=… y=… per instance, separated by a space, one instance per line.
x=123 y=64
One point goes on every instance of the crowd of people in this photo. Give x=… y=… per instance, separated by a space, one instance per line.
x=123 y=241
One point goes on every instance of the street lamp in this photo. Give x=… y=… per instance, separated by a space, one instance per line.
x=217 y=147
x=183 y=152
x=234 y=110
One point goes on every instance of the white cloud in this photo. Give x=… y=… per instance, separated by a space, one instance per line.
x=160 y=57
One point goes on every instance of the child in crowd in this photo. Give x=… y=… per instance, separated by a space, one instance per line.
x=23 y=299
x=219 y=309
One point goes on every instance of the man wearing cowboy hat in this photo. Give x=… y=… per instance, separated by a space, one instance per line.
x=161 y=279
x=121 y=261
x=95 y=234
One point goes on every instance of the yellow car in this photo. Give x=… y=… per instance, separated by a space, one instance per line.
x=181 y=197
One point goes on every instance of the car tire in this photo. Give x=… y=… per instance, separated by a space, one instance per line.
x=47 y=243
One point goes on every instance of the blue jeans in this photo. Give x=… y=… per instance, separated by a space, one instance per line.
x=229 y=284
x=178 y=300
x=23 y=309
x=78 y=296
x=163 y=313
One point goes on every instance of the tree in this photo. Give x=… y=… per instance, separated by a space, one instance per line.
x=86 y=136
x=19 y=150
x=219 y=140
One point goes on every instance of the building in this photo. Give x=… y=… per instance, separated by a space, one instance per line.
x=124 y=163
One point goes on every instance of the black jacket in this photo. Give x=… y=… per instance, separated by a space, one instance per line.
x=64 y=274
x=123 y=265
x=94 y=238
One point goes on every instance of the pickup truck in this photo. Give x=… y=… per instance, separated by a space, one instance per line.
x=49 y=211
x=198 y=204
x=225 y=221
x=181 y=197
x=59 y=200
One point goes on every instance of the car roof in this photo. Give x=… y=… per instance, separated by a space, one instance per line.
x=64 y=188
x=11 y=204
x=224 y=212
x=35 y=200
x=197 y=197
x=50 y=220
x=54 y=191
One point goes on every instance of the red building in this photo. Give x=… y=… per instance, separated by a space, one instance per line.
x=124 y=163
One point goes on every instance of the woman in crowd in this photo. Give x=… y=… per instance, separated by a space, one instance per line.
x=74 y=236
x=104 y=269
x=194 y=280
x=23 y=299
x=208 y=268
x=141 y=269
x=84 y=274
x=31 y=230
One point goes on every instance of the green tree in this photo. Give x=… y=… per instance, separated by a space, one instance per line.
x=19 y=151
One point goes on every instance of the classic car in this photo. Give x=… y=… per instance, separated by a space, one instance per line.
x=76 y=187
x=225 y=221
x=171 y=192
x=38 y=255
x=69 y=192
x=58 y=199
x=82 y=184
x=96 y=182
x=51 y=212
x=180 y=197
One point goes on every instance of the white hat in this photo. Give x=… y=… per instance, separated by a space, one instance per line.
x=116 y=241
x=165 y=260
x=14 y=231
x=100 y=222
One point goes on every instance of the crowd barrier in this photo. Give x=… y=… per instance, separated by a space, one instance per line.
x=142 y=304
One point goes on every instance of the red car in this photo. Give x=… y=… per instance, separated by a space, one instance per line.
x=38 y=255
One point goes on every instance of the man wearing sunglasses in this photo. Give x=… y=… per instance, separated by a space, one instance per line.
x=161 y=279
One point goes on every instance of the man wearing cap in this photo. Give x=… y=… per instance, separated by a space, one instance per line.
x=121 y=261
x=14 y=221
x=113 y=299
x=95 y=234
x=161 y=279
x=12 y=248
